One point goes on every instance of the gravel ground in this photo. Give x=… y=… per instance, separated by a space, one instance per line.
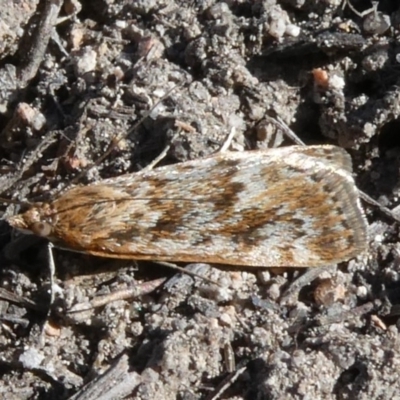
x=329 y=72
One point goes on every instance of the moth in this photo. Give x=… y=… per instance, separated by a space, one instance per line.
x=291 y=206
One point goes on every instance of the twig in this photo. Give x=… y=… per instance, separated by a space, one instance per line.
x=41 y=39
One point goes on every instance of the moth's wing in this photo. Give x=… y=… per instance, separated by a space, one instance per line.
x=334 y=155
x=263 y=208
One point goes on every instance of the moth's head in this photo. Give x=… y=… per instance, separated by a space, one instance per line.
x=35 y=220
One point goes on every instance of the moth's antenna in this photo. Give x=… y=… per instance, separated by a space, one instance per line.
x=10 y=201
x=116 y=140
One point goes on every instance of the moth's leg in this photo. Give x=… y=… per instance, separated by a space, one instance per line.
x=228 y=141
x=163 y=154
x=12 y=252
x=286 y=130
x=52 y=271
x=158 y=158
x=291 y=294
x=276 y=121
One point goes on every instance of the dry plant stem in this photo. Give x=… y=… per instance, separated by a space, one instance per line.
x=24 y=322
x=115 y=383
x=128 y=293
x=225 y=384
x=41 y=39
x=136 y=291
x=14 y=298
x=380 y=207
x=79 y=311
x=229 y=358
x=348 y=315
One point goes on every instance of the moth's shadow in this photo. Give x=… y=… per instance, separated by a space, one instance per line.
x=381 y=175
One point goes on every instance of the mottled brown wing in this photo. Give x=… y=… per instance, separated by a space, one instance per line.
x=294 y=206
